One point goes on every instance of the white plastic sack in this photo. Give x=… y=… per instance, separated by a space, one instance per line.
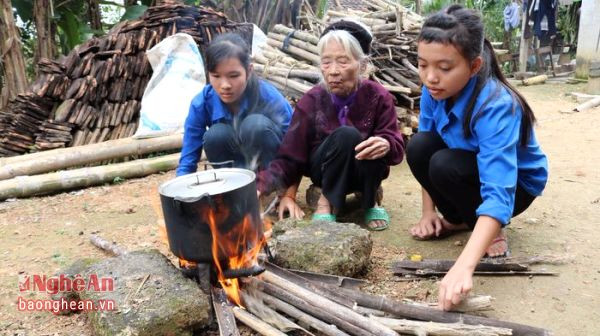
x=178 y=76
x=259 y=41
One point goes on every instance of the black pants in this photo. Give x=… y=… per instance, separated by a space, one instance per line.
x=333 y=167
x=254 y=144
x=451 y=178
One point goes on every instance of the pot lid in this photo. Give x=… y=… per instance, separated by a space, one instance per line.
x=191 y=187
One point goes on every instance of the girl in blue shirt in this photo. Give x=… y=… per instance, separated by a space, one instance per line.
x=238 y=118
x=476 y=155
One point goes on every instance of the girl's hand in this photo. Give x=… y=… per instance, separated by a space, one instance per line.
x=373 y=148
x=429 y=225
x=455 y=286
x=288 y=203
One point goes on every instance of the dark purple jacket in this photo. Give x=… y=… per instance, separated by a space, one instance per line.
x=372 y=114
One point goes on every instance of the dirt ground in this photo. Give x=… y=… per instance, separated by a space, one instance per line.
x=43 y=234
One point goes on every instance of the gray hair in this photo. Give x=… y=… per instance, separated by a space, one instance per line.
x=346 y=40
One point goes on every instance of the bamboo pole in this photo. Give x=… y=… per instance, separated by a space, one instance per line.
x=301 y=35
x=320 y=302
x=587 y=105
x=291 y=83
x=295 y=51
x=283 y=72
x=295 y=42
x=25 y=186
x=410 y=327
x=535 y=80
x=56 y=159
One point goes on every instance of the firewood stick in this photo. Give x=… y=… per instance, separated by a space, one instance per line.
x=434 y=328
x=283 y=72
x=256 y=306
x=255 y=323
x=397 y=89
x=313 y=58
x=367 y=21
x=435 y=315
x=323 y=314
x=323 y=303
x=312 y=286
x=223 y=313
x=446 y=264
x=295 y=42
x=301 y=35
x=302 y=317
x=470 y=304
x=107 y=246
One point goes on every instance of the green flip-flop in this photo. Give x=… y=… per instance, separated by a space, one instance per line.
x=324 y=217
x=377 y=214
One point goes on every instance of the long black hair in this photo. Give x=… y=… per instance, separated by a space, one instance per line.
x=463 y=28
x=232 y=45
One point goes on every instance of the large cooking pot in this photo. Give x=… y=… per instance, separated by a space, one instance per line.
x=228 y=193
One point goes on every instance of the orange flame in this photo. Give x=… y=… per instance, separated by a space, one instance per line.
x=242 y=245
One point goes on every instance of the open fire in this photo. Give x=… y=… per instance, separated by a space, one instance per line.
x=242 y=244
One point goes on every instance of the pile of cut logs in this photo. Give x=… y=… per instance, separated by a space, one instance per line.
x=94 y=94
x=291 y=59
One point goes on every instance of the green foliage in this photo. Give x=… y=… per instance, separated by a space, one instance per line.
x=133 y=12
x=491 y=11
x=118 y=180
x=567 y=23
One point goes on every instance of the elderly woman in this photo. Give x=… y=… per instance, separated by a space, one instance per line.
x=343 y=133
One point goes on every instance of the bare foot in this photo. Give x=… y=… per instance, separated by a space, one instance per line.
x=498 y=247
x=376 y=223
x=323 y=206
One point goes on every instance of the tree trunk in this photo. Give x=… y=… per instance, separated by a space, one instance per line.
x=11 y=54
x=94 y=14
x=46 y=30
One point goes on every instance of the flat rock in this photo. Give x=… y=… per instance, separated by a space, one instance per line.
x=324 y=247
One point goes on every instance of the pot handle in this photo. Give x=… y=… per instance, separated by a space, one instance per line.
x=178 y=201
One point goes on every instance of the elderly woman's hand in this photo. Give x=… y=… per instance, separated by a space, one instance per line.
x=373 y=148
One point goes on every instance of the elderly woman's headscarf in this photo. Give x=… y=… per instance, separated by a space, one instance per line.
x=361 y=34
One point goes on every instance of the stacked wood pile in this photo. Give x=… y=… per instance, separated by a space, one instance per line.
x=94 y=93
x=291 y=59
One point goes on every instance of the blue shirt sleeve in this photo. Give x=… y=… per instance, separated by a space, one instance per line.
x=426 y=123
x=497 y=132
x=194 y=128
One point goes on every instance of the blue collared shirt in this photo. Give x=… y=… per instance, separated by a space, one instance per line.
x=501 y=160
x=207 y=109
